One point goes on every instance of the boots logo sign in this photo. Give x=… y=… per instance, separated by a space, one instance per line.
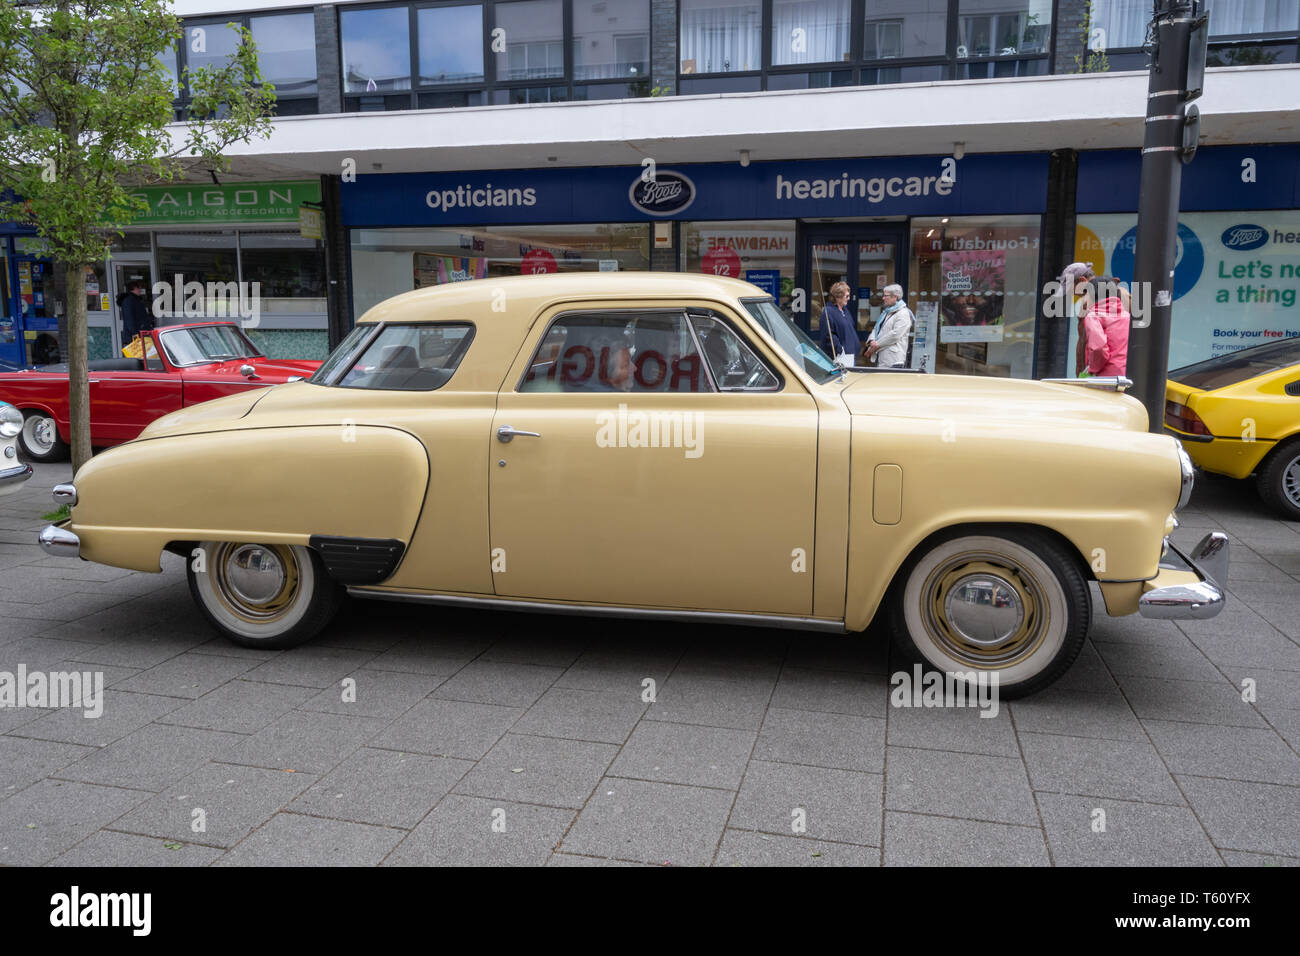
x=1244 y=237
x=666 y=194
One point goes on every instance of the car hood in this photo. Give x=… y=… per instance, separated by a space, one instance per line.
x=278 y=369
x=968 y=398
x=215 y=415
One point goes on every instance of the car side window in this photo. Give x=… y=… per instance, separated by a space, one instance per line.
x=410 y=358
x=617 y=352
x=732 y=362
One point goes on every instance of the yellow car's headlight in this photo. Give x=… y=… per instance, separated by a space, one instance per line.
x=11 y=421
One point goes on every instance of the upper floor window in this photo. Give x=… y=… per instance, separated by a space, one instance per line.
x=450 y=44
x=897 y=29
x=286 y=54
x=611 y=39
x=1003 y=27
x=376 y=49
x=810 y=31
x=721 y=36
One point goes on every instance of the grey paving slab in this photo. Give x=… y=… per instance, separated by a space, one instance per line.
x=839 y=805
x=1239 y=753
x=52 y=816
x=548 y=651
x=123 y=713
x=499 y=682
x=970 y=786
x=1169 y=661
x=1088 y=672
x=448 y=728
x=288 y=839
x=107 y=848
x=242 y=707
x=1135 y=834
x=542 y=770
x=313 y=742
x=750 y=848
x=217 y=804
x=374 y=693
x=662 y=823
x=1256 y=648
x=1239 y=815
x=24 y=761
x=311 y=666
x=383 y=787
x=38 y=652
x=153 y=756
x=732 y=703
x=915 y=840
x=1078 y=714
x=572 y=859
x=831 y=691
x=186 y=675
x=619 y=670
x=865 y=653
x=430 y=655
x=744 y=657
x=841 y=741
x=1198 y=702
x=1238 y=858
x=960 y=729
x=137 y=650
x=685 y=753
x=472 y=831
x=1123 y=769
x=576 y=714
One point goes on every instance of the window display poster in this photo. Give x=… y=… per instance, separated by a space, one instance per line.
x=436 y=270
x=1236 y=277
x=769 y=280
x=924 y=341
x=974 y=290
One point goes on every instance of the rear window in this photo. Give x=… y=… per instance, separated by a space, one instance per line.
x=1234 y=367
x=408 y=358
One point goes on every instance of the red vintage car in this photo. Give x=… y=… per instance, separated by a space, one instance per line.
x=184 y=365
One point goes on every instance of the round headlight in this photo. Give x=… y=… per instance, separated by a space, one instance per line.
x=11 y=421
x=1189 y=477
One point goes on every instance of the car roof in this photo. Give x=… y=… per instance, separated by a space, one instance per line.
x=522 y=297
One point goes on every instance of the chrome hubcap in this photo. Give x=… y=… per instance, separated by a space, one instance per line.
x=984 y=609
x=38 y=431
x=1291 y=481
x=255 y=574
x=257 y=582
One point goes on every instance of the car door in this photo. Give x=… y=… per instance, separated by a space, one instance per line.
x=123 y=402
x=643 y=456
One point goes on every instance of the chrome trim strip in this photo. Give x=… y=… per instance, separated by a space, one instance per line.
x=59 y=542
x=1111 y=383
x=1188 y=477
x=601 y=610
x=15 y=475
x=65 y=494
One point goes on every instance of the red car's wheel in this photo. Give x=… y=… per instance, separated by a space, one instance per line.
x=40 y=439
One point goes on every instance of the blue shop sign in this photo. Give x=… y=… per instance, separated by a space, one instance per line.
x=832 y=188
x=1218 y=178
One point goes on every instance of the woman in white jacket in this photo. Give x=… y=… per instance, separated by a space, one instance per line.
x=888 y=341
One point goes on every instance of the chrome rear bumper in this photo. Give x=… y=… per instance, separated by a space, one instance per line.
x=59 y=542
x=1191 y=600
x=11 y=478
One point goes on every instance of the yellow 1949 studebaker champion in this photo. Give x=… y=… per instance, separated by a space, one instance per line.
x=656 y=445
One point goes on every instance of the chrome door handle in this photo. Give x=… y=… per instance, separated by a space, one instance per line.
x=505 y=433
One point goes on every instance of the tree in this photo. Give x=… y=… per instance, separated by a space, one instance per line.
x=85 y=107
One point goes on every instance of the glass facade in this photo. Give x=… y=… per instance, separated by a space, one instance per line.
x=1242 y=32
x=286 y=55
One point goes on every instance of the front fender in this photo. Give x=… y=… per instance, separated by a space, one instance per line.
x=268 y=485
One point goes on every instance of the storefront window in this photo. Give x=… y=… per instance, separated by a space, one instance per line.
x=291 y=271
x=759 y=251
x=534 y=38
x=611 y=39
x=721 y=36
x=1236 y=277
x=905 y=28
x=386 y=262
x=376 y=50
x=974 y=280
x=1002 y=28
x=286 y=52
x=451 y=44
x=810 y=31
x=196 y=257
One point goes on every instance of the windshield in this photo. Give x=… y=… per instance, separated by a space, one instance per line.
x=1234 y=367
x=793 y=340
x=397 y=357
x=207 y=343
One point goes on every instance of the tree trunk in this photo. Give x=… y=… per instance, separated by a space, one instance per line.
x=74 y=277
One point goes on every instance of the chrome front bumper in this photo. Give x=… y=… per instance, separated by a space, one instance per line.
x=59 y=542
x=1191 y=600
x=11 y=478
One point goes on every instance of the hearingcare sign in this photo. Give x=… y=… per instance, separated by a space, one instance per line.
x=232 y=203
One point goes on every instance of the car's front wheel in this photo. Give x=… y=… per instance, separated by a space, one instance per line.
x=1279 y=480
x=1008 y=602
x=262 y=595
x=40 y=439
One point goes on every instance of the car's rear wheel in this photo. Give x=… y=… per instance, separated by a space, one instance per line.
x=262 y=595
x=1279 y=479
x=1012 y=603
x=40 y=439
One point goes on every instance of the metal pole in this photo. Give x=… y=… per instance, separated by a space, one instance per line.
x=1157 y=229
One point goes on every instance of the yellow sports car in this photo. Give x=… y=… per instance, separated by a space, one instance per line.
x=1239 y=414
x=657 y=445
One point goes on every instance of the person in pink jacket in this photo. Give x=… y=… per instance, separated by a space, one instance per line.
x=1106 y=323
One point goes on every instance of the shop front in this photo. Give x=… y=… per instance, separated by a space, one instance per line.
x=961 y=237
x=28 y=322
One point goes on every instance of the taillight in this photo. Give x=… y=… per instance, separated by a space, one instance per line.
x=1183 y=419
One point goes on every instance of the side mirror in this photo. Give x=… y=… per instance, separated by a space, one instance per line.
x=248 y=371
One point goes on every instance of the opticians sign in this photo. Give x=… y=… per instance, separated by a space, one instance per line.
x=232 y=203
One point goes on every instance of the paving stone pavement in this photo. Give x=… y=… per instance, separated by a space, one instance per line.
x=495 y=738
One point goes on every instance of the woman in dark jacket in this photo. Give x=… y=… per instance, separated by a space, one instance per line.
x=839 y=331
x=134 y=314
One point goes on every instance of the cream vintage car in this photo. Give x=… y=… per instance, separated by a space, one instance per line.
x=656 y=445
